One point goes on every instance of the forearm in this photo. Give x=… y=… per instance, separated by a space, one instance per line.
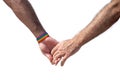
x=103 y=20
x=24 y=11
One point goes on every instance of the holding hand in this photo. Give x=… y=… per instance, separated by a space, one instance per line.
x=63 y=50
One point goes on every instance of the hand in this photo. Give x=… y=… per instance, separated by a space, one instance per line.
x=47 y=45
x=64 y=50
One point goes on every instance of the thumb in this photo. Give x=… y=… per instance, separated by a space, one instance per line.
x=49 y=56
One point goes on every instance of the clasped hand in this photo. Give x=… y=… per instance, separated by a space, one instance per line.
x=58 y=51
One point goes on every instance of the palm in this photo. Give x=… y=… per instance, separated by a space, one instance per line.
x=47 y=45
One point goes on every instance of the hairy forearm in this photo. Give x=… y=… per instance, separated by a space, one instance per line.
x=103 y=20
x=24 y=11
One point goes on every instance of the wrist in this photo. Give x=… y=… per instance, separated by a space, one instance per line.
x=42 y=37
x=78 y=40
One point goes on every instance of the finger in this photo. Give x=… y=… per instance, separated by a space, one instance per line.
x=64 y=60
x=54 y=49
x=57 y=61
x=57 y=57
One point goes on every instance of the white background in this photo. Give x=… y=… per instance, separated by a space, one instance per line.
x=21 y=59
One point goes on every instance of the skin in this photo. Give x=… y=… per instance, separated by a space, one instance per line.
x=103 y=20
x=25 y=13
